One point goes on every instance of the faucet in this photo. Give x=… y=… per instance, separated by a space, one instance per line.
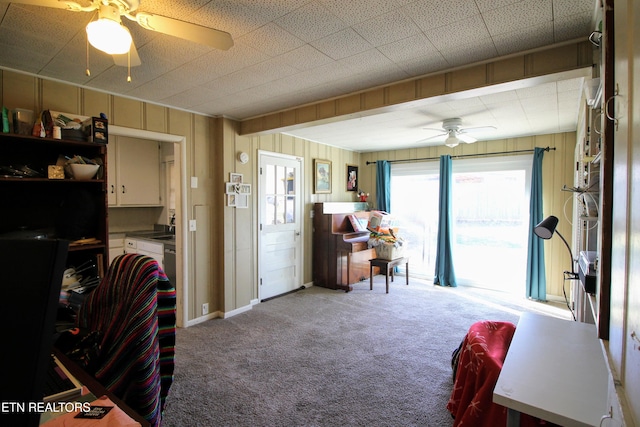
x=172 y=223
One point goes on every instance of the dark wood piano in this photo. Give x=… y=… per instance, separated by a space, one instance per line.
x=340 y=254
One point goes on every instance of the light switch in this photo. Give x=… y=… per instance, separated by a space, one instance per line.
x=192 y=225
x=194 y=182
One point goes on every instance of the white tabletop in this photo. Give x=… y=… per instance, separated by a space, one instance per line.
x=554 y=370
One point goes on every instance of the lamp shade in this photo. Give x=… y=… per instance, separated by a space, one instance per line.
x=546 y=227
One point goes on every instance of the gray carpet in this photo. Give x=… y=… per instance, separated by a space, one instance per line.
x=319 y=357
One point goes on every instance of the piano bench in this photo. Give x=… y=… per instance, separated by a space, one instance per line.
x=387 y=265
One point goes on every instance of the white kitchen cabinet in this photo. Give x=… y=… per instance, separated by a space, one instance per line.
x=134 y=172
x=116 y=247
x=144 y=247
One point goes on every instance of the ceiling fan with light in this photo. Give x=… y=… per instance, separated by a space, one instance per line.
x=108 y=34
x=455 y=133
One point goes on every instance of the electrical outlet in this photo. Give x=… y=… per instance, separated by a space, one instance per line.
x=205 y=308
x=192 y=225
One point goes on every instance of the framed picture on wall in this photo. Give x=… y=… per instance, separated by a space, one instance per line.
x=235 y=178
x=231 y=188
x=352 y=178
x=321 y=176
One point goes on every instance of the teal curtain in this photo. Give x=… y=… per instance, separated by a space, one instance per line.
x=536 y=279
x=445 y=274
x=383 y=185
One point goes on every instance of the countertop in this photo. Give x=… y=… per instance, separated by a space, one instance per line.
x=152 y=235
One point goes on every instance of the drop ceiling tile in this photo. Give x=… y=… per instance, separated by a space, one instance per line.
x=540 y=104
x=197 y=72
x=512 y=112
x=571 y=85
x=424 y=65
x=179 y=9
x=271 y=40
x=311 y=22
x=387 y=28
x=536 y=91
x=238 y=57
x=571 y=27
x=30 y=19
x=188 y=98
x=485 y=5
x=355 y=11
x=468 y=54
x=239 y=17
x=249 y=77
x=506 y=96
x=161 y=88
x=342 y=44
x=370 y=60
x=431 y=14
x=114 y=80
x=517 y=16
x=410 y=48
x=565 y=8
x=459 y=33
x=305 y=57
x=29 y=42
x=524 y=39
x=19 y=59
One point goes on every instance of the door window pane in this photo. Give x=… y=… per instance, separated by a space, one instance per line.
x=280 y=195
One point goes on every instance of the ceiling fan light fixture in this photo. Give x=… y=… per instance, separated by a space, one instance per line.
x=107 y=33
x=452 y=140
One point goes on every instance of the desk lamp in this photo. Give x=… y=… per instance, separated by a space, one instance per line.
x=545 y=230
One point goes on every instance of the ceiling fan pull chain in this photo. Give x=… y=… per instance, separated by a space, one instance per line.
x=129 y=66
x=87 y=71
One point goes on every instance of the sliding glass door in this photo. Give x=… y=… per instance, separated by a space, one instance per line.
x=414 y=203
x=490 y=218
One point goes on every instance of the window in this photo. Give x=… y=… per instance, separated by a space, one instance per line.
x=490 y=218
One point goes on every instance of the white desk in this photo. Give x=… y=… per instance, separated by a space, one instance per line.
x=554 y=370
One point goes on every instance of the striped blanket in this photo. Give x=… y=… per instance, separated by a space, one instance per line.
x=135 y=308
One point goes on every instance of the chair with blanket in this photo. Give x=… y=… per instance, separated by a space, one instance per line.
x=134 y=310
x=477 y=364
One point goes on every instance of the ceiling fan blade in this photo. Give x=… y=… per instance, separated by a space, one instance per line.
x=123 y=60
x=58 y=4
x=184 y=30
x=465 y=138
x=431 y=137
x=478 y=129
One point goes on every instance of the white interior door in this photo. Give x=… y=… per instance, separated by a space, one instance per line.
x=280 y=213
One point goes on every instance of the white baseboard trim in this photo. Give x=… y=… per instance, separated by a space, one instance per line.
x=237 y=311
x=201 y=319
x=227 y=314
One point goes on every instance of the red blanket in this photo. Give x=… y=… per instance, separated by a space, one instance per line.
x=481 y=357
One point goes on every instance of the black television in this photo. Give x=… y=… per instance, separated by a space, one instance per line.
x=31 y=273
